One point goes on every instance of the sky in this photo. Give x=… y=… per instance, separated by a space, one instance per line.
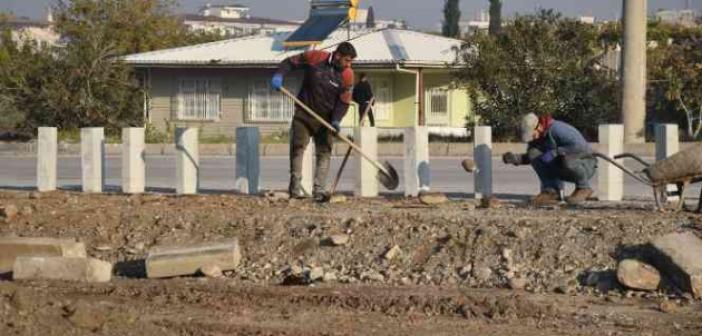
x=422 y=14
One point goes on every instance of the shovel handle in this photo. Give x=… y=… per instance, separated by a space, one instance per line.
x=348 y=152
x=331 y=128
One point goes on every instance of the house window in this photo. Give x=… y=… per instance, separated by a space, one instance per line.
x=437 y=105
x=382 y=90
x=199 y=99
x=268 y=105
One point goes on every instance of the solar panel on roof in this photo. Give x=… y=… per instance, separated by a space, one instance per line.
x=325 y=17
x=397 y=50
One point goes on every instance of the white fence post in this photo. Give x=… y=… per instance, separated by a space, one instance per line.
x=366 y=174
x=248 y=161
x=482 y=153
x=47 y=164
x=92 y=158
x=417 y=167
x=610 y=179
x=667 y=144
x=187 y=161
x=133 y=161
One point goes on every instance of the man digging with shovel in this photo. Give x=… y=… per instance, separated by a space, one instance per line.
x=326 y=89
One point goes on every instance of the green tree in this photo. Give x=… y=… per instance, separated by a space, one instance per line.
x=452 y=15
x=495 y=17
x=543 y=64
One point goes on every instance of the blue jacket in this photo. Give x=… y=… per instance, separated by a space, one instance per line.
x=561 y=139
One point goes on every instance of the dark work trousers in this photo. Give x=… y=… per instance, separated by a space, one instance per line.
x=578 y=169
x=363 y=107
x=301 y=132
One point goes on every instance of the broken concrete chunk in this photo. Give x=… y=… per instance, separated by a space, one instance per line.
x=679 y=257
x=62 y=268
x=432 y=198
x=13 y=247
x=392 y=252
x=635 y=274
x=163 y=262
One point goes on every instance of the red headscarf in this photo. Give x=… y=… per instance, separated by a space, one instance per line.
x=545 y=123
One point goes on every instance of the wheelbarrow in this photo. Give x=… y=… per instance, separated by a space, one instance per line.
x=680 y=169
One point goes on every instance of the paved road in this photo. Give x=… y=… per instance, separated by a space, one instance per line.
x=217 y=175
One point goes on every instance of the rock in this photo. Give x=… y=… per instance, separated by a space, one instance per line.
x=329 y=277
x=667 y=306
x=635 y=274
x=9 y=212
x=139 y=246
x=163 y=262
x=102 y=248
x=392 y=252
x=679 y=257
x=211 y=271
x=465 y=271
x=490 y=203
x=13 y=247
x=372 y=276
x=338 y=239
x=432 y=198
x=82 y=315
x=517 y=283
x=275 y=196
x=469 y=165
x=316 y=273
x=482 y=274
x=61 y=268
x=337 y=198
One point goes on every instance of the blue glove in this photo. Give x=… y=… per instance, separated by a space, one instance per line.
x=549 y=156
x=277 y=82
x=336 y=125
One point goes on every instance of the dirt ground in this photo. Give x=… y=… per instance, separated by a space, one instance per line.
x=456 y=268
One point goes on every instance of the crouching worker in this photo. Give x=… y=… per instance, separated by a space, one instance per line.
x=326 y=89
x=559 y=153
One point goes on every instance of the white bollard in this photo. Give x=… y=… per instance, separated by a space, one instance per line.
x=47 y=164
x=133 y=161
x=366 y=173
x=610 y=179
x=187 y=161
x=92 y=158
x=248 y=164
x=482 y=154
x=667 y=144
x=308 y=163
x=417 y=168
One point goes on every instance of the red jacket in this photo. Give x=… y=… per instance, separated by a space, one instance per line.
x=325 y=89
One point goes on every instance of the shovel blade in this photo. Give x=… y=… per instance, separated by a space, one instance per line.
x=390 y=180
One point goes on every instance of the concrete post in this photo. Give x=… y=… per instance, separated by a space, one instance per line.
x=666 y=145
x=187 y=161
x=417 y=168
x=610 y=179
x=248 y=166
x=92 y=158
x=47 y=164
x=366 y=174
x=482 y=149
x=308 y=162
x=133 y=161
x=634 y=71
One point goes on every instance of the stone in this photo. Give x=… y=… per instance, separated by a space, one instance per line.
x=316 y=273
x=392 y=253
x=679 y=257
x=337 y=198
x=469 y=165
x=465 y=271
x=164 y=262
x=432 y=198
x=491 y=202
x=187 y=161
x=482 y=274
x=517 y=283
x=610 y=179
x=13 y=247
x=83 y=315
x=482 y=153
x=667 y=306
x=92 y=149
x=366 y=181
x=329 y=277
x=275 y=196
x=211 y=271
x=339 y=239
x=62 y=268
x=47 y=163
x=416 y=160
x=9 y=211
x=635 y=274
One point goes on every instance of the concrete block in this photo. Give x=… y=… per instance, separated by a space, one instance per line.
x=92 y=149
x=482 y=154
x=366 y=184
x=248 y=160
x=679 y=257
x=47 y=164
x=308 y=163
x=416 y=166
x=13 y=247
x=62 y=268
x=133 y=161
x=187 y=161
x=610 y=179
x=163 y=262
x=667 y=144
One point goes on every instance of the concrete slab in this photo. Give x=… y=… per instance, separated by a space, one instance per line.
x=164 y=262
x=13 y=247
x=62 y=268
x=679 y=257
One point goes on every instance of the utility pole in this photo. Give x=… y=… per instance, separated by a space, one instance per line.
x=634 y=71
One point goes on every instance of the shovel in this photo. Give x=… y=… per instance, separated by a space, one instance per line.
x=388 y=175
x=348 y=153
